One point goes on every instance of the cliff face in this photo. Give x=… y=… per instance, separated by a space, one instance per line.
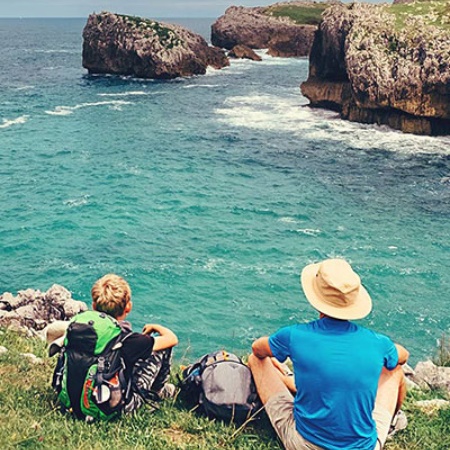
x=143 y=48
x=362 y=67
x=256 y=28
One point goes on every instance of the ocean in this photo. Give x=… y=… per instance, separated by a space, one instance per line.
x=209 y=194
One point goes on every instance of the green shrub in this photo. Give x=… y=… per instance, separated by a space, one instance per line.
x=442 y=357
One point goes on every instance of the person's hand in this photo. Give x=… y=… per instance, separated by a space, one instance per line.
x=151 y=328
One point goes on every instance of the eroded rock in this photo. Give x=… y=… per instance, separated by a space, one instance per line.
x=429 y=375
x=362 y=65
x=243 y=52
x=32 y=310
x=145 y=48
x=257 y=28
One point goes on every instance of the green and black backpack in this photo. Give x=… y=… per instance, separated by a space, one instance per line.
x=90 y=376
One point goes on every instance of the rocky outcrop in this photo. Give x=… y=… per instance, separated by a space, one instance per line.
x=34 y=310
x=428 y=375
x=243 y=52
x=361 y=66
x=257 y=28
x=127 y=45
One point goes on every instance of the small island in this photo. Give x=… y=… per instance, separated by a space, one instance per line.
x=144 y=48
x=285 y=29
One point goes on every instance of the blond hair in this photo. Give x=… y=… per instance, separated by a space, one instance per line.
x=111 y=294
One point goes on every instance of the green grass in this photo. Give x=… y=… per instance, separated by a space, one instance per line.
x=435 y=12
x=31 y=420
x=302 y=15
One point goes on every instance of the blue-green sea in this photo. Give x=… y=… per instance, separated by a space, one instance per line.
x=209 y=194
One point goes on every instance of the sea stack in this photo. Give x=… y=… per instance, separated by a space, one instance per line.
x=376 y=65
x=145 y=48
x=278 y=28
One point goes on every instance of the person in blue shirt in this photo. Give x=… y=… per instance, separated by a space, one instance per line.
x=347 y=383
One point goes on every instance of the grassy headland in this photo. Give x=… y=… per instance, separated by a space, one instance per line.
x=302 y=15
x=31 y=420
x=436 y=12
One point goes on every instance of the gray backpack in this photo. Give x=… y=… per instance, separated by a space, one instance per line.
x=223 y=387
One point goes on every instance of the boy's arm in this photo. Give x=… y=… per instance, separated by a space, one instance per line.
x=166 y=339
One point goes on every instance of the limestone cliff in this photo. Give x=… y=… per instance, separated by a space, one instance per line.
x=129 y=45
x=274 y=27
x=372 y=70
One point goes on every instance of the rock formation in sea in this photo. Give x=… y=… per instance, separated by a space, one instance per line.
x=272 y=27
x=373 y=68
x=243 y=52
x=144 y=48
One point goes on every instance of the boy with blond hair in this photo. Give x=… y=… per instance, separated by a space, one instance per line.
x=147 y=355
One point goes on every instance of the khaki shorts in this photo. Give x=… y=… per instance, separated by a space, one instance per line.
x=280 y=409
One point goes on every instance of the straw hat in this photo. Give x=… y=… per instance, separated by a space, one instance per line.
x=55 y=334
x=334 y=289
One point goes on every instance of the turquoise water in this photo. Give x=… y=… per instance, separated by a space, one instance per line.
x=209 y=194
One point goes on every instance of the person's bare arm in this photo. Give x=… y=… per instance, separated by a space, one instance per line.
x=261 y=347
x=166 y=339
x=403 y=354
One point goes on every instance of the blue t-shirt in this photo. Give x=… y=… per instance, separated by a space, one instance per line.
x=337 y=365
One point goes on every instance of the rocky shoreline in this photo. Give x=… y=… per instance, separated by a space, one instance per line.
x=362 y=63
x=31 y=311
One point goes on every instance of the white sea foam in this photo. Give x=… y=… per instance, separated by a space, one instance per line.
x=287 y=114
x=287 y=220
x=189 y=86
x=67 y=110
x=309 y=231
x=75 y=202
x=265 y=112
x=368 y=137
x=24 y=88
x=126 y=94
x=50 y=51
x=10 y=122
x=212 y=263
x=210 y=71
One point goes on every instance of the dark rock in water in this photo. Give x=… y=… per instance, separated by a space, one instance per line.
x=294 y=44
x=127 y=45
x=243 y=52
x=257 y=28
x=216 y=58
x=361 y=66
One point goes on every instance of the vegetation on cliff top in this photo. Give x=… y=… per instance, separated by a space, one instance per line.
x=436 y=12
x=148 y=27
x=300 y=14
x=31 y=420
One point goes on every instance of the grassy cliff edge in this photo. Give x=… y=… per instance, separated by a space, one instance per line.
x=30 y=417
